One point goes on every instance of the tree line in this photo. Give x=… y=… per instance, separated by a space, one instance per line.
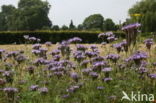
x=33 y=15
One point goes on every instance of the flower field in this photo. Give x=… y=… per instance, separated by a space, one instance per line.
x=70 y=72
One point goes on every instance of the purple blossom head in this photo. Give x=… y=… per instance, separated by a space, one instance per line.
x=152 y=76
x=148 y=43
x=86 y=71
x=107 y=69
x=100 y=88
x=139 y=56
x=10 y=90
x=20 y=58
x=111 y=38
x=81 y=48
x=26 y=37
x=75 y=40
x=74 y=76
x=97 y=66
x=107 y=79
x=84 y=63
x=91 y=54
x=32 y=39
x=43 y=90
x=94 y=75
x=34 y=87
x=36 y=46
x=113 y=57
x=73 y=89
x=131 y=26
x=48 y=43
x=55 y=52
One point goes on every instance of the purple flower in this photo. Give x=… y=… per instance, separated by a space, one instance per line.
x=75 y=76
x=107 y=79
x=152 y=76
x=91 y=54
x=20 y=58
x=73 y=89
x=94 y=75
x=81 y=48
x=34 y=87
x=10 y=90
x=86 y=71
x=131 y=26
x=26 y=37
x=148 y=43
x=97 y=66
x=55 y=52
x=113 y=57
x=32 y=39
x=36 y=46
x=48 y=43
x=84 y=63
x=111 y=38
x=75 y=40
x=139 y=56
x=108 y=69
x=118 y=47
x=100 y=88
x=43 y=90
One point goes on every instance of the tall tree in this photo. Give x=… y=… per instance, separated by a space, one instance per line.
x=145 y=13
x=6 y=17
x=94 y=21
x=109 y=25
x=71 y=25
x=33 y=14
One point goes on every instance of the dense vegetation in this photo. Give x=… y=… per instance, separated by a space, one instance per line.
x=145 y=13
x=53 y=36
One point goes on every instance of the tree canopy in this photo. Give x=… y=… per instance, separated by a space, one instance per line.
x=30 y=15
x=145 y=13
x=94 y=21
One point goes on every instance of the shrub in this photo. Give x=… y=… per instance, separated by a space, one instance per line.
x=10 y=37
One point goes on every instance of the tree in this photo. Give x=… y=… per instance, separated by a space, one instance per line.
x=94 y=21
x=145 y=13
x=71 y=25
x=64 y=27
x=55 y=27
x=30 y=15
x=109 y=25
x=80 y=27
x=34 y=14
x=6 y=17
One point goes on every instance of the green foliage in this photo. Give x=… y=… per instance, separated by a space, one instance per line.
x=109 y=25
x=30 y=15
x=53 y=36
x=94 y=22
x=147 y=9
x=56 y=28
x=80 y=27
x=64 y=27
x=71 y=25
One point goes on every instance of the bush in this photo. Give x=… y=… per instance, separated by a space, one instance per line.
x=53 y=36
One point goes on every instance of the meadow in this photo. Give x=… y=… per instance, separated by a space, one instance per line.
x=71 y=72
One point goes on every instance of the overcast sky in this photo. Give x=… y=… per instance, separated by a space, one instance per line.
x=63 y=11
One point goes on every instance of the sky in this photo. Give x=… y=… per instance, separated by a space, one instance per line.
x=63 y=11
